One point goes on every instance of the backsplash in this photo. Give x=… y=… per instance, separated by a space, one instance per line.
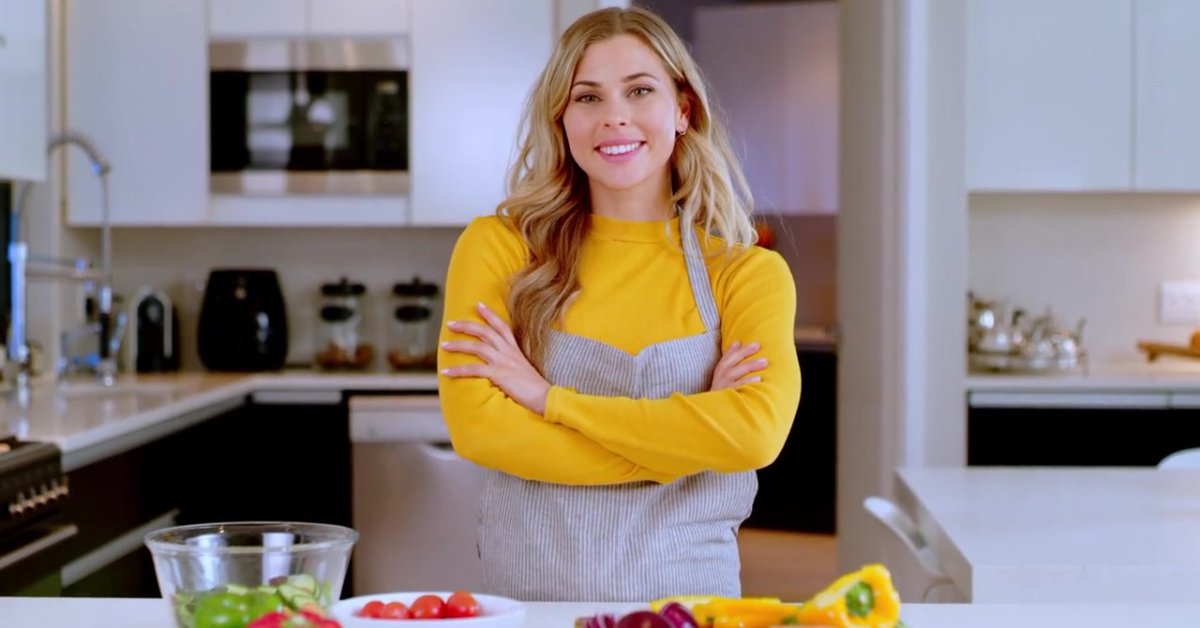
x=1096 y=255
x=178 y=261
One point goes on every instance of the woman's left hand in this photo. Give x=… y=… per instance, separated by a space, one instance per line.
x=504 y=363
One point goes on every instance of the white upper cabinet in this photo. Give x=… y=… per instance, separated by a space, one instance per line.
x=257 y=18
x=137 y=83
x=23 y=102
x=335 y=18
x=782 y=117
x=474 y=63
x=570 y=10
x=240 y=19
x=1049 y=95
x=1167 y=127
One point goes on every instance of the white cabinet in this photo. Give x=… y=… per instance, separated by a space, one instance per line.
x=23 y=102
x=238 y=19
x=1049 y=95
x=567 y=11
x=783 y=116
x=1167 y=127
x=358 y=17
x=137 y=83
x=257 y=18
x=474 y=63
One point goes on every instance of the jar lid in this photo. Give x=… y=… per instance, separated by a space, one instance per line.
x=336 y=314
x=412 y=313
x=343 y=288
x=415 y=288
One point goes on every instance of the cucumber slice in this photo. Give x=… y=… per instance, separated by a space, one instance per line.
x=237 y=589
x=289 y=593
x=303 y=581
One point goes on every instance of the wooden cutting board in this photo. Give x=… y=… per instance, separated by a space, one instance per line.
x=1154 y=349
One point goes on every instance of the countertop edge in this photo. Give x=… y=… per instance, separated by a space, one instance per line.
x=86 y=446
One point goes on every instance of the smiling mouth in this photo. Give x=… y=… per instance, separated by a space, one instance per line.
x=615 y=150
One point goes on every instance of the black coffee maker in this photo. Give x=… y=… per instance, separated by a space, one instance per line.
x=243 y=321
x=154 y=335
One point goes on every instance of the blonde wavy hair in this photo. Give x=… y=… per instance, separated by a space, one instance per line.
x=548 y=201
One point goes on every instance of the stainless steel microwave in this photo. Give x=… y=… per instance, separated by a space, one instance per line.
x=308 y=117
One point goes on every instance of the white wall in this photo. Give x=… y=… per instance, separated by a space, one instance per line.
x=1099 y=256
x=901 y=252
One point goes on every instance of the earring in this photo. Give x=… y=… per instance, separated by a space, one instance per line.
x=680 y=133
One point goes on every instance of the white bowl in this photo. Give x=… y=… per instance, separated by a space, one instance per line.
x=494 y=612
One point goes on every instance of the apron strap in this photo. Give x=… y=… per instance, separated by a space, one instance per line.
x=698 y=277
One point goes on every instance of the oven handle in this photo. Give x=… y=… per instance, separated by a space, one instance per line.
x=56 y=535
x=110 y=552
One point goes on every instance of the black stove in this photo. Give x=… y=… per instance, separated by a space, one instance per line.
x=32 y=532
x=32 y=483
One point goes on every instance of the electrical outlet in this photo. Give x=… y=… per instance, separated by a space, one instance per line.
x=1179 y=302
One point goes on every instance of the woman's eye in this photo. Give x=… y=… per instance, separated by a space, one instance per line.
x=586 y=98
x=640 y=91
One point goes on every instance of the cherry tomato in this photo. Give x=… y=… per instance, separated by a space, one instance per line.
x=461 y=604
x=393 y=610
x=427 y=607
x=373 y=609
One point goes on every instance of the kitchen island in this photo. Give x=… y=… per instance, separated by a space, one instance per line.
x=1060 y=535
x=153 y=613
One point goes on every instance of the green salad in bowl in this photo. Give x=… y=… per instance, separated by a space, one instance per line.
x=251 y=574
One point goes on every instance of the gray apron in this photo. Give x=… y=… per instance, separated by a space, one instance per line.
x=627 y=542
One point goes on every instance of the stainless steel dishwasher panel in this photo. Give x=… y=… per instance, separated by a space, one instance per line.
x=415 y=502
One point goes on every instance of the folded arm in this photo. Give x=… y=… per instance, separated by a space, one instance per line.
x=486 y=426
x=728 y=430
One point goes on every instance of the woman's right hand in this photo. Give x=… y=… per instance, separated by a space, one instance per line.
x=736 y=368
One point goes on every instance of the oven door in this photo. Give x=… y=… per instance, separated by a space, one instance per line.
x=31 y=559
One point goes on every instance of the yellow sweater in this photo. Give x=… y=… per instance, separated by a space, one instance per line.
x=634 y=292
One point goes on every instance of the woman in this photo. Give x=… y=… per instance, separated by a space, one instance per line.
x=619 y=369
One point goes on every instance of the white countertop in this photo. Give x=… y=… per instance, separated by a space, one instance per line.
x=153 y=613
x=1061 y=535
x=87 y=421
x=1165 y=374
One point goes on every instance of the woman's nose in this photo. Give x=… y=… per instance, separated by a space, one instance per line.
x=616 y=115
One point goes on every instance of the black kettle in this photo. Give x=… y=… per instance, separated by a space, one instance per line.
x=243 y=321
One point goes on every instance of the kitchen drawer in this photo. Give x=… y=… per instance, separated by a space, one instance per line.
x=1094 y=435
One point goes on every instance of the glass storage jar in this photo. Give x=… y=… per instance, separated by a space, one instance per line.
x=413 y=326
x=341 y=339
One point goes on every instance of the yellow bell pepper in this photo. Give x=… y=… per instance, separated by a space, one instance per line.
x=862 y=599
x=744 y=613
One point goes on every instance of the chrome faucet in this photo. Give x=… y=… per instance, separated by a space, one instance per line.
x=17 y=369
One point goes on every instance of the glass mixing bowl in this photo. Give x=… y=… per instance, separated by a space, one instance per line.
x=213 y=567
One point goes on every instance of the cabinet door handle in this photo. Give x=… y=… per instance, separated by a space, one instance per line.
x=115 y=549
x=56 y=535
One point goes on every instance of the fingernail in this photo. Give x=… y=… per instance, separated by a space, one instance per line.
x=762 y=361
x=754 y=345
x=445 y=371
x=445 y=344
x=481 y=306
x=451 y=324
x=736 y=344
x=756 y=379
